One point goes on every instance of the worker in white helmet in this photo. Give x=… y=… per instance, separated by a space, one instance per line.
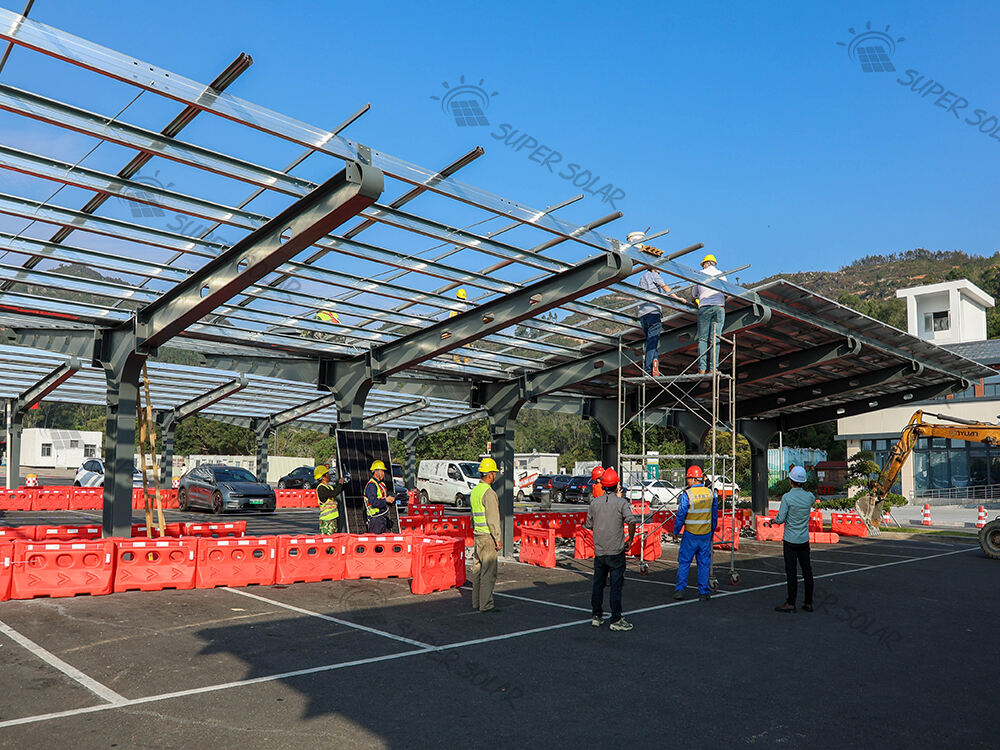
x=711 y=316
x=649 y=313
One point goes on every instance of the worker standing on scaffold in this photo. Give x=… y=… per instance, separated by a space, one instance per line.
x=650 y=315
x=377 y=500
x=711 y=311
x=697 y=513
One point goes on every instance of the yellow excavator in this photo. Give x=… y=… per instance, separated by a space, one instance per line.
x=869 y=507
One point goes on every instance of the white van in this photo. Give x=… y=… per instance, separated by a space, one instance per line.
x=447 y=481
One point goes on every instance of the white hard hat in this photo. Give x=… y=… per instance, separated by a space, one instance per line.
x=798 y=474
x=634 y=237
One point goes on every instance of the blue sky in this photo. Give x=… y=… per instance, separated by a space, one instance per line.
x=740 y=125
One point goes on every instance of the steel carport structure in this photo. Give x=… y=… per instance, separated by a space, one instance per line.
x=249 y=307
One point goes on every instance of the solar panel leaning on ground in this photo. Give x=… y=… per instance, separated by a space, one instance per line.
x=356 y=449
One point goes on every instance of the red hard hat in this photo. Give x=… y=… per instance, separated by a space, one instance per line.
x=609 y=478
x=695 y=471
x=596 y=472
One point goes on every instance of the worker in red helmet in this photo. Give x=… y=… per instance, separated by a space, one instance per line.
x=595 y=481
x=697 y=513
x=607 y=517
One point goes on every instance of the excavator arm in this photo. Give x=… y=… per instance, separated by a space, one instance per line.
x=869 y=507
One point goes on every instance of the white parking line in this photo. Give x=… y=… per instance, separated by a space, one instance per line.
x=417 y=652
x=101 y=691
x=310 y=613
x=534 y=601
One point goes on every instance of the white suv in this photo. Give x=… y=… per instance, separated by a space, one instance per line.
x=91 y=474
x=725 y=489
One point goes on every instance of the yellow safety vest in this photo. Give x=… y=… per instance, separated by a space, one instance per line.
x=330 y=509
x=379 y=493
x=479 y=525
x=699 y=516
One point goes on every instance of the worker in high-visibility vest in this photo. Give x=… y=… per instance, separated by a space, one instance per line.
x=331 y=520
x=488 y=537
x=377 y=499
x=697 y=513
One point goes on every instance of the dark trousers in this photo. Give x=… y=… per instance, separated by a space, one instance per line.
x=379 y=524
x=615 y=566
x=798 y=553
x=652 y=325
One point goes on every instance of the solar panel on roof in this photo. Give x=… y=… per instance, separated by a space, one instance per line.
x=356 y=450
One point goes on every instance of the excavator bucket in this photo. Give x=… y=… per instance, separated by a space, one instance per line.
x=870 y=511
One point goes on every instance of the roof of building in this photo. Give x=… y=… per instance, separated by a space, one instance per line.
x=965 y=286
x=984 y=352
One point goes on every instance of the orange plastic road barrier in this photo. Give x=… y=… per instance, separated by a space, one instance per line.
x=49 y=498
x=766 y=531
x=6 y=570
x=66 y=533
x=773 y=513
x=155 y=564
x=169 y=529
x=583 y=547
x=412 y=496
x=236 y=562
x=848 y=524
x=438 y=564
x=815 y=520
x=666 y=520
x=538 y=547
x=19 y=499
x=86 y=498
x=727 y=533
x=639 y=509
x=823 y=537
x=411 y=524
x=459 y=527
x=648 y=539
x=215 y=530
x=417 y=509
x=62 y=568
x=927 y=516
x=13 y=533
x=389 y=556
x=304 y=559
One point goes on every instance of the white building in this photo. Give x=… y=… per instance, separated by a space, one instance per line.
x=59 y=449
x=951 y=314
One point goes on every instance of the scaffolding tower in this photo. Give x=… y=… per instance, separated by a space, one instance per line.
x=679 y=392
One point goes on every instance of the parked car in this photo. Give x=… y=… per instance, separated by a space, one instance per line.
x=579 y=488
x=558 y=484
x=220 y=488
x=539 y=486
x=91 y=474
x=299 y=479
x=725 y=489
x=655 y=491
x=447 y=481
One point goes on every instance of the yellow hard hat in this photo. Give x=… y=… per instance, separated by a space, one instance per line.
x=487 y=465
x=708 y=259
x=377 y=465
x=460 y=294
x=320 y=471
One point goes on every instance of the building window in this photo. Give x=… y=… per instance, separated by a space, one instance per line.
x=74 y=443
x=46 y=449
x=89 y=451
x=938 y=321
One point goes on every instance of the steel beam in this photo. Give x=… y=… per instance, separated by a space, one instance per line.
x=259 y=253
x=285 y=368
x=790 y=363
x=49 y=383
x=447 y=424
x=796 y=397
x=72 y=341
x=850 y=408
x=384 y=417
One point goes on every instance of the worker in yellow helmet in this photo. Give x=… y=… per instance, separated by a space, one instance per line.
x=711 y=316
x=331 y=519
x=377 y=499
x=489 y=539
x=459 y=295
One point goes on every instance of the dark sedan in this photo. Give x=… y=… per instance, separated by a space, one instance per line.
x=220 y=488
x=298 y=479
x=579 y=489
x=557 y=485
x=540 y=486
